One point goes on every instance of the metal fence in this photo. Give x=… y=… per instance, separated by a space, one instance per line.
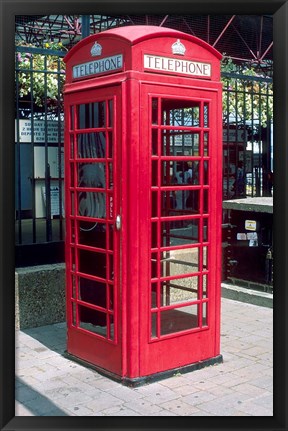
x=247 y=136
x=39 y=119
x=39 y=125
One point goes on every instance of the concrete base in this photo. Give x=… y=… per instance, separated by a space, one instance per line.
x=39 y=295
x=250 y=296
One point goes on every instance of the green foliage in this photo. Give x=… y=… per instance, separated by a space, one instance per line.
x=245 y=99
x=40 y=71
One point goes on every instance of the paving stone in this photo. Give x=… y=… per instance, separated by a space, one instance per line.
x=198 y=398
x=179 y=407
x=125 y=394
x=246 y=388
x=103 y=401
x=160 y=395
x=41 y=406
x=250 y=407
x=185 y=390
x=119 y=411
x=49 y=384
x=144 y=407
x=22 y=410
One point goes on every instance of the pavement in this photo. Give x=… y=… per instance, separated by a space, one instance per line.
x=49 y=384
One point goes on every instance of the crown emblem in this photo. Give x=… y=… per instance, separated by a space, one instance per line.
x=96 y=49
x=178 y=48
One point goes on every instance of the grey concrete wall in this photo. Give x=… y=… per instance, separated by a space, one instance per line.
x=39 y=295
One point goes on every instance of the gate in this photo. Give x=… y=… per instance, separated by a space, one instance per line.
x=39 y=214
x=247 y=136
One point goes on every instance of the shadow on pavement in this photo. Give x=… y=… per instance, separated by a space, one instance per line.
x=33 y=401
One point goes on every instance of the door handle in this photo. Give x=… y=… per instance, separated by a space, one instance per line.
x=118 y=222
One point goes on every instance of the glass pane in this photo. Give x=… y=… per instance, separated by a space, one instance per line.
x=72 y=175
x=110 y=107
x=91 y=145
x=180 y=232
x=153 y=294
x=92 y=292
x=206 y=142
x=206 y=173
x=72 y=147
x=206 y=115
x=180 y=202
x=72 y=197
x=179 y=262
x=92 y=204
x=205 y=314
x=179 y=291
x=175 y=172
x=205 y=229
x=179 y=319
x=180 y=143
x=92 y=263
x=91 y=115
x=72 y=259
x=205 y=258
x=180 y=112
x=154 y=236
x=92 y=175
x=110 y=257
x=74 y=288
x=154 y=325
x=205 y=287
x=110 y=145
x=111 y=298
x=71 y=123
x=155 y=111
x=111 y=323
x=92 y=320
x=205 y=202
x=110 y=173
x=154 y=173
x=74 y=314
x=154 y=142
x=92 y=233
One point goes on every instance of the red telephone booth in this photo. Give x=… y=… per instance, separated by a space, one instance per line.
x=143 y=148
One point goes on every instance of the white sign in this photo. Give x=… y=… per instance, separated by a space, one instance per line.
x=186 y=67
x=25 y=131
x=54 y=196
x=250 y=225
x=95 y=67
x=241 y=236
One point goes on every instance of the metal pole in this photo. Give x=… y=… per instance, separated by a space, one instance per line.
x=85 y=29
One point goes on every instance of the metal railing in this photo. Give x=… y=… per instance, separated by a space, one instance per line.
x=247 y=136
x=39 y=142
x=39 y=148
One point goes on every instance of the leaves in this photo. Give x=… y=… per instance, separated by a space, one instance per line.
x=245 y=99
x=41 y=75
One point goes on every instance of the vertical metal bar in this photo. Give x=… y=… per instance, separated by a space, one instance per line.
x=60 y=181
x=85 y=29
x=18 y=158
x=228 y=142
x=47 y=166
x=33 y=183
x=245 y=135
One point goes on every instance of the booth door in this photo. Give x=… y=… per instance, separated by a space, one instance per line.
x=92 y=206
x=180 y=302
